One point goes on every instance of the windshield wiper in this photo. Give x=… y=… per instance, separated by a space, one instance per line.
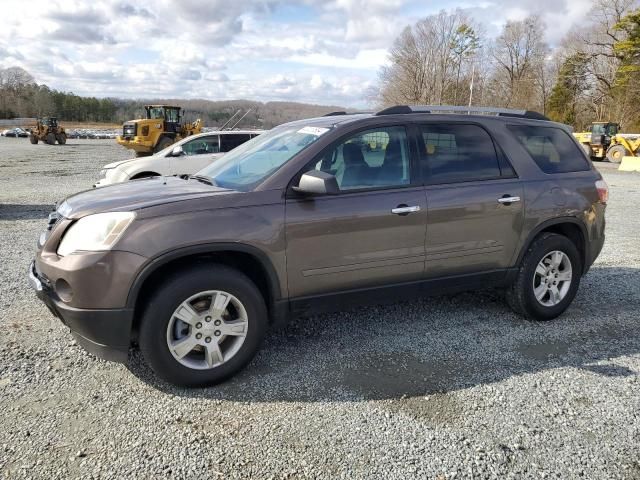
x=204 y=179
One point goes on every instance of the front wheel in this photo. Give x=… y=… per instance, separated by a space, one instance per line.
x=33 y=139
x=548 y=278
x=616 y=153
x=203 y=326
x=62 y=138
x=163 y=143
x=51 y=139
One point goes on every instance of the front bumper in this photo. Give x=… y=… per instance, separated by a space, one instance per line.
x=105 y=333
x=135 y=143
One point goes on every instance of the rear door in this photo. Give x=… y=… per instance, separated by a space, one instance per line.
x=372 y=233
x=474 y=200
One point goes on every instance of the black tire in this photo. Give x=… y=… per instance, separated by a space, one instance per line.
x=51 y=139
x=153 y=329
x=33 y=139
x=62 y=138
x=587 y=149
x=163 y=143
x=520 y=295
x=616 y=152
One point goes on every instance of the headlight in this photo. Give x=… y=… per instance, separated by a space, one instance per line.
x=95 y=233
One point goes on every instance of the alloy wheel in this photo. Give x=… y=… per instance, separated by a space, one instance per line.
x=552 y=278
x=207 y=329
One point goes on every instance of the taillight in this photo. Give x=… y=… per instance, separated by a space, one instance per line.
x=603 y=190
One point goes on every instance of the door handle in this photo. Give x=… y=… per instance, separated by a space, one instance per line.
x=508 y=199
x=405 y=209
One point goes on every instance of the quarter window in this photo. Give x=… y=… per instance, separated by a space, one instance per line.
x=458 y=153
x=369 y=159
x=230 y=141
x=551 y=148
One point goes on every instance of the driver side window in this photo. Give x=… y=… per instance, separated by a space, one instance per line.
x=202 y=145
x=370 y=159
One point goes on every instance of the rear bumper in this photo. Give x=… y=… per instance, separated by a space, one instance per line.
x=105 y=333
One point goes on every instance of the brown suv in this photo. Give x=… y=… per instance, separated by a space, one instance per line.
x=317 y=215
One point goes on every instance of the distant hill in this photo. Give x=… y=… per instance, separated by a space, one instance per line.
x=216 y=113
x=21 y=96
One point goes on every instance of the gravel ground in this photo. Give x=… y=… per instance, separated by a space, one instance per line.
x=449 y=387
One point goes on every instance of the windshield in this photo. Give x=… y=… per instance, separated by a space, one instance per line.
x=155 y=112
x=255 y=160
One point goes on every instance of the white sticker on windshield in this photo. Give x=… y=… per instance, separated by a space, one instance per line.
x=317 y=131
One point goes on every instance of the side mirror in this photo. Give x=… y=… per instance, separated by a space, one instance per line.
x=177 y=151
x=316 y=182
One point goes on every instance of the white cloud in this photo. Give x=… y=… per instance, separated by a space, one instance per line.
x=324 y=52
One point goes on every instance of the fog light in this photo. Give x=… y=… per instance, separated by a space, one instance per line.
x=63 y=289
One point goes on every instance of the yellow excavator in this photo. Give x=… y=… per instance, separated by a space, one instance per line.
x=162 y=126
x=605 y=142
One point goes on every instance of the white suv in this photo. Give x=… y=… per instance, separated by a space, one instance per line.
x=182 y=158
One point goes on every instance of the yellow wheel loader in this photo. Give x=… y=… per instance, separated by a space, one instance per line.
x=48 y=131
x=161 y=127
x=604 y=142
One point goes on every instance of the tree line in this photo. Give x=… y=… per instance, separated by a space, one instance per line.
x=592 y=74
x=21 y=96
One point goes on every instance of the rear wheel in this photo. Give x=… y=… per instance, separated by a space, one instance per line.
x=548 y=278
x=163 y=143
x=616 y=152
x=203 y=326
x=62 y=138
x=51 y=139
x=33 y=139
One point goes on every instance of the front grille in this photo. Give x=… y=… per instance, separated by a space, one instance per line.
x=129 y=130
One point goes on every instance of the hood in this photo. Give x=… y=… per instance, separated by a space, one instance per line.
x=137 y=194
x=134 y=159
x=121 y=162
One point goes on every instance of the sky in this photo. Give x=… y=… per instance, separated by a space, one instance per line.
x=326 y=52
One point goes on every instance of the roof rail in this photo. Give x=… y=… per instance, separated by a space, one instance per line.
x=333 y=114
x=501 y=112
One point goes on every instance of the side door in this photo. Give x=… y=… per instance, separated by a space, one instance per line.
x=197 y=154
x=370 y=234
x=474 y=197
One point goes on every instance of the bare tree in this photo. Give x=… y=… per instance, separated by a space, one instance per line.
x=427 y=59
x=518 y=53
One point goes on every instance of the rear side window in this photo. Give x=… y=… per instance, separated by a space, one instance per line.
x=458 y=153
x=551 y=148
x=232 y=140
